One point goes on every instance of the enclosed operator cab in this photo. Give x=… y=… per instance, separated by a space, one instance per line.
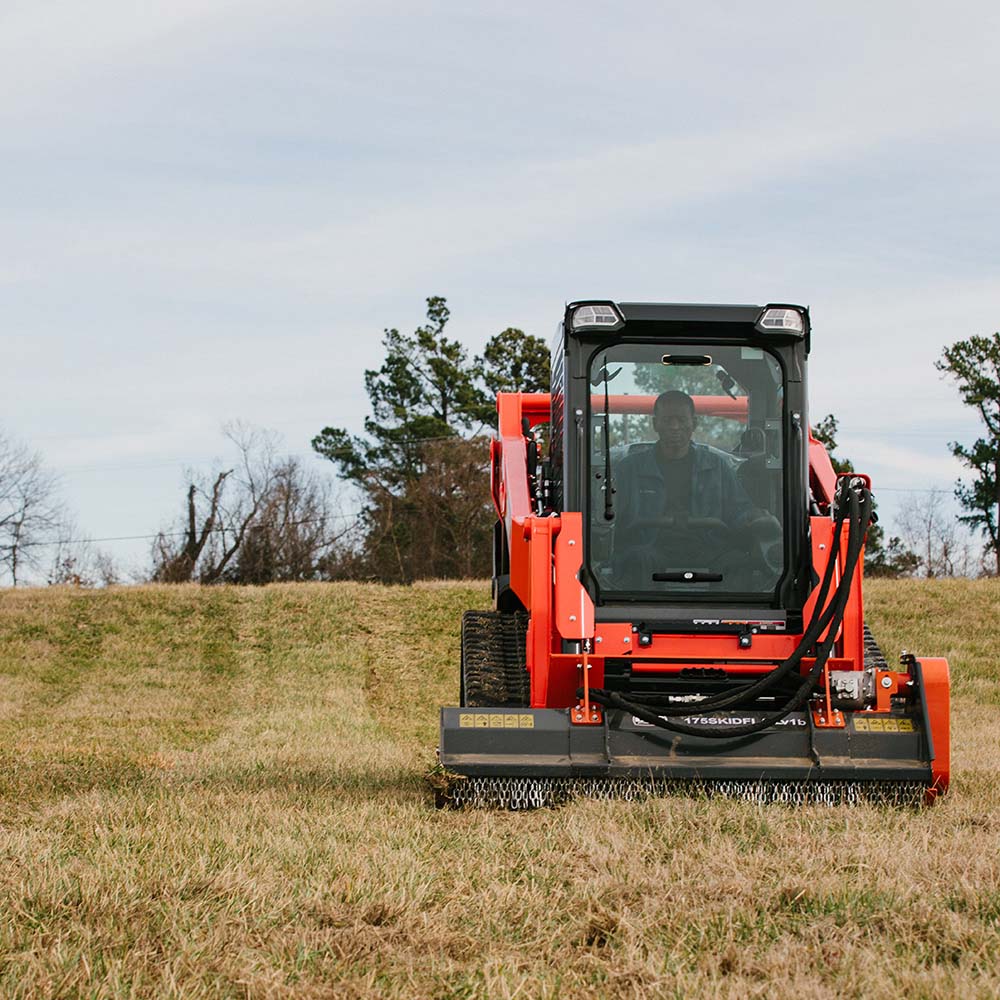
x=682 y=438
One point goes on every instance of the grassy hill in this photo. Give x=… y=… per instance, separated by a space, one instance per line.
x=218 y=793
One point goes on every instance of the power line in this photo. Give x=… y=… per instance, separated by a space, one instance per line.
x=355 y=518
x=186 y=463
x=178 y=534
x=907 y=489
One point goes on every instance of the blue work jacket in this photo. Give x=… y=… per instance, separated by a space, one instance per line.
x=640 y=488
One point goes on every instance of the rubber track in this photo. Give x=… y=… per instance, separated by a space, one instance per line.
x=493 y=659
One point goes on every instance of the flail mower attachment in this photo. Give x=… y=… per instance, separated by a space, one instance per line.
x=525 y=758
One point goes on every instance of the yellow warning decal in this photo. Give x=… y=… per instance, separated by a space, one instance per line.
x=871 y=725
x=496 y=720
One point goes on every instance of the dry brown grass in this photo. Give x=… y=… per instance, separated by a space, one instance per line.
x=218 y=793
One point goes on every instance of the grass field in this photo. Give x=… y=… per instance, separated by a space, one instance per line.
x=219 y=793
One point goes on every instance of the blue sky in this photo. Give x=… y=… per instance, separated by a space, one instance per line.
x=211 y=209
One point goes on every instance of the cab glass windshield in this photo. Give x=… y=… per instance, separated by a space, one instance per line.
x=685 y=472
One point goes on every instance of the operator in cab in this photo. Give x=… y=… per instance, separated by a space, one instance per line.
x=681 y=501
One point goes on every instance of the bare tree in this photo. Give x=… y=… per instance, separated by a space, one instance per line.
x=219 y=510
x=75 y=560
x=292 y=536
x=29 y=509
x=263 y=519
x=937 y=536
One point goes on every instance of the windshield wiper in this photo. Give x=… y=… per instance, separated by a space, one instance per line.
x=609 y=502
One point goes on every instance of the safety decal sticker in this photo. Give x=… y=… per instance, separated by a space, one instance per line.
x=884 y=725
x=496 y=720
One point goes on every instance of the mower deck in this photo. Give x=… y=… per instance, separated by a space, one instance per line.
x=524 y=758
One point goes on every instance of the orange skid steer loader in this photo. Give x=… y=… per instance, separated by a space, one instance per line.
x=678 y=584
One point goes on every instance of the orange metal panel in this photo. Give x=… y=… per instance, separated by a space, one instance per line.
x=886 y=688
x=565 y=677
x=574 y=610
x=821 y=472
x=513 y=406
x=832 y=663
x=513 y=487
x=731 y=665
x=514 y=466
x=767 y=647
x=613 y=639
x=937 y=696
x=539 y=554
x=520 y=564
x=497 y=488
x=821 y=531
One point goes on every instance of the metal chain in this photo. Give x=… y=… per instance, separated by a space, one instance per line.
x=535 y=793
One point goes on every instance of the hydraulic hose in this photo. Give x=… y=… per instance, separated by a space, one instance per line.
x=822 y=615
x=854 y=504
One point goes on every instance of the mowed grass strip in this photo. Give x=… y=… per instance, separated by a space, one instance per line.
x=219 y=793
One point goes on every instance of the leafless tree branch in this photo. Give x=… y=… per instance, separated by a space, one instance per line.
x=29 y=509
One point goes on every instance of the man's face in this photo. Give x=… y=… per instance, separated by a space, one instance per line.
x=674 y=423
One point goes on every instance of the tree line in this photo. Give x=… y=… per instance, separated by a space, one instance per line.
x=418 y=505
x=419 y=475
x=421 y=466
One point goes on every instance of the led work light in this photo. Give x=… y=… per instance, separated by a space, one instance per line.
x=782 y=319
x=596 y=315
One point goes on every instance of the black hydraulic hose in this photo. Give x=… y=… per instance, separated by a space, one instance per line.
x=859 y=503
x=835 y=615
x=822 y=615
x=801 y=696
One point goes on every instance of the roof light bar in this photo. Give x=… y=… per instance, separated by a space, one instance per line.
x=782 y=319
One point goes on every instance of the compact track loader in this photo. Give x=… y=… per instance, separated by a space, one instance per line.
x=677 y=584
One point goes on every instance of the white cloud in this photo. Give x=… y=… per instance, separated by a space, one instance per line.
x=497 y=210
x=213 y=207
x=876 y=352
x=45 y=47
